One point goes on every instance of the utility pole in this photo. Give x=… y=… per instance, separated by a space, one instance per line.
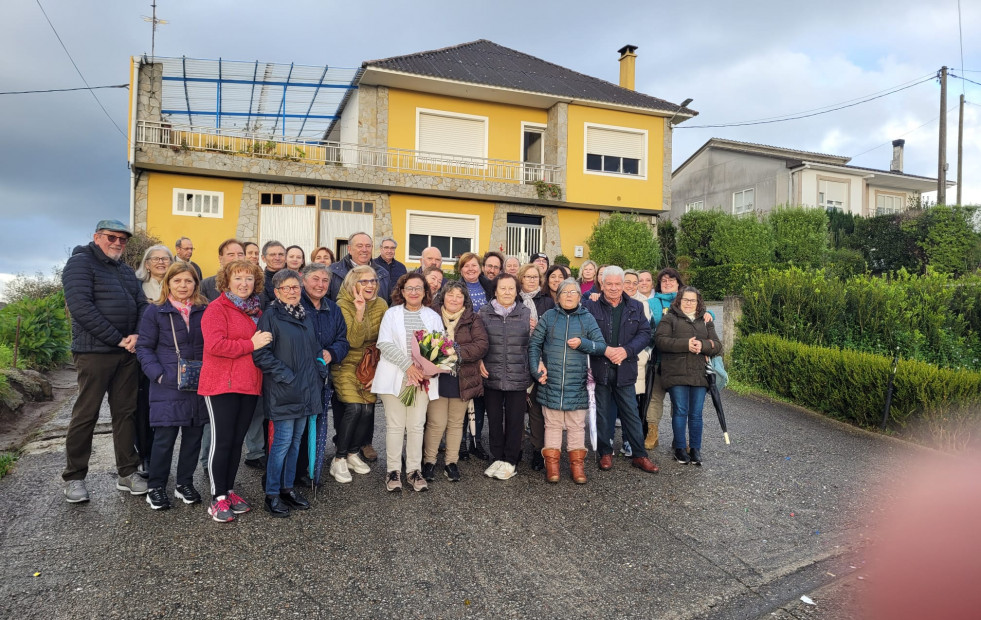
x=942 y=157
x=960 y=151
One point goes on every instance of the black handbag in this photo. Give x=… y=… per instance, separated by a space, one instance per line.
x=188 y=371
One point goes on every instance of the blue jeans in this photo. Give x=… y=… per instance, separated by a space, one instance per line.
x=285 y=447
x=610 y=402
x=686 y=410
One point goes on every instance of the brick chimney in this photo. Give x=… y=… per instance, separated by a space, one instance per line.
x=896 y=165
x=628 y=61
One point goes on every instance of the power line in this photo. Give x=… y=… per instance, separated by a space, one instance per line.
x=77 y=70
x=823 y=111
x=960 y=35
x=60 y=90
x=966 y=80
x=933 y=120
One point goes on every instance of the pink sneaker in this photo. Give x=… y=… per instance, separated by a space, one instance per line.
x=221 y=510
x=239 y=505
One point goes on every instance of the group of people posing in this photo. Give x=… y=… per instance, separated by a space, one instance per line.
x=247 y=356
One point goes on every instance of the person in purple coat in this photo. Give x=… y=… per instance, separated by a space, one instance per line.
x=171 y=328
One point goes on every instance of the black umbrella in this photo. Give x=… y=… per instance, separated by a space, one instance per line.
x=648 y=390
x=716 y=399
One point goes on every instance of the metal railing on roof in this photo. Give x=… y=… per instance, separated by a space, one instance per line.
x=183 y=138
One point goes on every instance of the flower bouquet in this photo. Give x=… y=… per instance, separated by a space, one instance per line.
x=432 y=353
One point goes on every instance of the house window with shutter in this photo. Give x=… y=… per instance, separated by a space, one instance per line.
x=197 y=203
x=452 y=233
x=743 y=201
x=615 y=150
x=449 y=133
x=833 y=194
x=886 y=204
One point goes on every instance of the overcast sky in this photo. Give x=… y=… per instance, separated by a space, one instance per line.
x=63 y=163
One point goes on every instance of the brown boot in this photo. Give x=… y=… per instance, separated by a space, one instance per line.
x=650 y=442
x=577 y=463
x=551 y=456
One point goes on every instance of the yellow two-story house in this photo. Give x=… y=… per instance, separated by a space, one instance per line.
x=474 y=147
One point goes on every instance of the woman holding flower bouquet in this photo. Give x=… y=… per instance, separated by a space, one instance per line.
x=398 y=375
x=447 y=413
x=506 y=375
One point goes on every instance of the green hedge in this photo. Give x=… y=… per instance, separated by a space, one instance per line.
x=933 y=318
x=849 y=385
x=45 y=336
x=721 y=280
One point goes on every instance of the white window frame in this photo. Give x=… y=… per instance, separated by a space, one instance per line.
x=822 y=197
x=474 y=117
x=642 y=168
x=695 y=205
x=901 y=198
x=179 y=199
x=752 y=203
x=475 y=240
x=526 y=174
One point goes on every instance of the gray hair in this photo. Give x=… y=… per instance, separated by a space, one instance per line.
x=270 y=244
x=143 y=274
x=514 y=258
x=566 y=284
x=453 y=285
x=611 y=270
x=628 y=272
x=350 y=240
x=179 y=242
x=283 y=275
x=314 y=267
x=384 y=239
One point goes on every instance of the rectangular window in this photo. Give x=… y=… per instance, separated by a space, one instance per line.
x=452 y=234
x=197 y=203
x=346 y=206
x=616 y=150
x=524 y=235
x=448 y=133
x=886 y=204
x=743 y=201
x=833 y=194
x=697 y=205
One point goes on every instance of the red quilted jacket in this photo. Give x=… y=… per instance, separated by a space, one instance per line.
x=228 y=366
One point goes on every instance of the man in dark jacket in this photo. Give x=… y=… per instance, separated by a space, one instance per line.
x=359 y=253
x=627 y=332
x=274 y=257
x=184 y=250
x=229 y=250
x=105 y=301
x=386 y=261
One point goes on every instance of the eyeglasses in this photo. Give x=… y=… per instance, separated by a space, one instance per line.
x=689 y=300
x=413 y=289
x=367 y=282
x=159 y=259
x=570 y=293
x=123 y=239
x=289 y=289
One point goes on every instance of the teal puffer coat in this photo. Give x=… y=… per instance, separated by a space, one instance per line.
x=565 y=387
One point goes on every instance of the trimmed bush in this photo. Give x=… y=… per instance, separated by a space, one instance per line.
x=843 y=263
x=800 y=235
x=747 y=240
x=696 y=229
x=721 y=280
x=626 y=241
x=849 y=385
x=932 y=318
x=45 y=336
x=667 y=238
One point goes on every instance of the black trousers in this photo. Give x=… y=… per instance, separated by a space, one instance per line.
x=506 y=422
x=230 y=416
x=164 y=438
x=98 y=373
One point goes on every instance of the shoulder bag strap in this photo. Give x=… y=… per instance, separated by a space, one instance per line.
x=173 y=333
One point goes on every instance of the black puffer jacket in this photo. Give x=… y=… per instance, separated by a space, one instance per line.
x=679 y=366
x=291 y=375
x=507 y=355
x=104 y=298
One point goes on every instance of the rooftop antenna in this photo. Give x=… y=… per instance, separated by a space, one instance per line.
x=153 y=37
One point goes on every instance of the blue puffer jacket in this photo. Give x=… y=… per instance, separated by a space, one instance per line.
x=104 y=298
x=292 y=378
x=635 y=336
x=565 y=387
x=155 y=350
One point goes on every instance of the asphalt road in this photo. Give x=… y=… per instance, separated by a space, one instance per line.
x=782 y=511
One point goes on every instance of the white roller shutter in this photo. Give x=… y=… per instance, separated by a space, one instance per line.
x=605 y=141
x=289 y=226
x=442 y=226
x=452 y=135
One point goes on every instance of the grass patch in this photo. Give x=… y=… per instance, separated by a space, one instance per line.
x=7 y=460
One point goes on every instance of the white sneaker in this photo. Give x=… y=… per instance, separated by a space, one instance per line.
x=490 y=471
x=354 y=462
x=338 y=469
x=505 y=471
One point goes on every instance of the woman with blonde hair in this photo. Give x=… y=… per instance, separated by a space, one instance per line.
x=354 y=402
x=169 y=332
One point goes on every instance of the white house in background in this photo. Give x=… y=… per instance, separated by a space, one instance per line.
x=740 y=177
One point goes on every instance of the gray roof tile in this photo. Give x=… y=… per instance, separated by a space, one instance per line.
x=487 y=63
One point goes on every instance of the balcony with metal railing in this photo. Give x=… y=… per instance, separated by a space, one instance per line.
x=323 y=153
